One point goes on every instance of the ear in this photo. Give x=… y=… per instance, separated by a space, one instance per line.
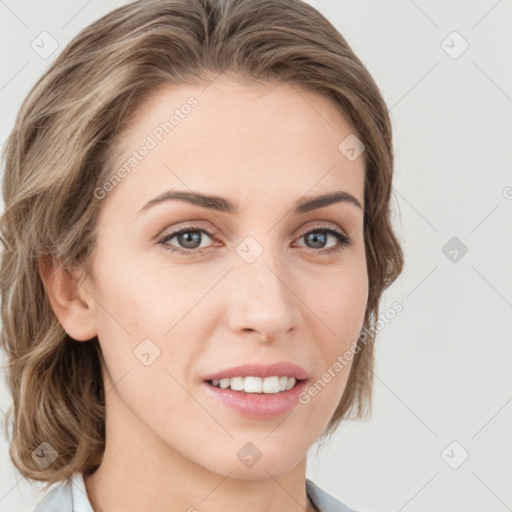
x=71 y=303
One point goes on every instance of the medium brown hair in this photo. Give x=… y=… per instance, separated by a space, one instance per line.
x=60 y=150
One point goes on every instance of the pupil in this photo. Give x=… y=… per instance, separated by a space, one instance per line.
x=187 y=239
x=315 y=238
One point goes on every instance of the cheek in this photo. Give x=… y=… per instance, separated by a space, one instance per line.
x=341 y=304
x=349 y=306
x=127 y=312
x=141 y=300
x=138 y=296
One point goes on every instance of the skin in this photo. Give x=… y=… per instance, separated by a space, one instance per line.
x=168 y=442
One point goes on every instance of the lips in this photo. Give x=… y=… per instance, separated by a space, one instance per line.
x=256 y=406
x=282 y=368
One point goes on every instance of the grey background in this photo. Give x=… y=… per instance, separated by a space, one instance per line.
x=443 y=375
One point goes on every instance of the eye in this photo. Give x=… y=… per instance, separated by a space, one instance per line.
x=318 y=237
x=190 y=237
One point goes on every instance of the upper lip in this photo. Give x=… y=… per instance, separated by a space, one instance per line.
x=280 y=369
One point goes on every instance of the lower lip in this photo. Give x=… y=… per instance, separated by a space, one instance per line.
x=258 y=405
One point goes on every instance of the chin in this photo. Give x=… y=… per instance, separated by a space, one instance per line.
x=260 y=460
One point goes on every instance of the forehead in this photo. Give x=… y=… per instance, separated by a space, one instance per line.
x=267 y=138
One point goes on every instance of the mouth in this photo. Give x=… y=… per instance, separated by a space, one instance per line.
x=258 y=391
x=256 y=385
x=250 y=397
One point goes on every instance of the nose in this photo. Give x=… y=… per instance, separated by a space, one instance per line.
x=261 y=300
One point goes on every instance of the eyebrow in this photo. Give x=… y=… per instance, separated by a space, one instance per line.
x=221 y=204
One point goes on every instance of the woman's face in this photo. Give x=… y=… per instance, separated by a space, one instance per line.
x=261 y=285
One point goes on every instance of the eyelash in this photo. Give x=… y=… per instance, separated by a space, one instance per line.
x=343 y=240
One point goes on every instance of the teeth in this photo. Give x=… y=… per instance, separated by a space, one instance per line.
x=251 y=385
x=270 y=385
x=291 y=383
x=237 y=383
x=256 y=384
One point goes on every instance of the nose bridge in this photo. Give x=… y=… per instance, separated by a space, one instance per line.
x=260 y=297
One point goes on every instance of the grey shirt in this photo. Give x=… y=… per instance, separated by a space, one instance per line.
x=71 y=496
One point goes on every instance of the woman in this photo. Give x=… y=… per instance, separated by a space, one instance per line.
x=197 y=236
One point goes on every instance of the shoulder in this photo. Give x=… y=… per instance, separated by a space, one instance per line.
x=323 y=501
x=58 y=499
x=69 y=496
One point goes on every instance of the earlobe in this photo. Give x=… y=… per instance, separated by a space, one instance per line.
x=71 y=303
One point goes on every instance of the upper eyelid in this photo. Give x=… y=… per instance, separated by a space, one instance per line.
x=212 y=233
